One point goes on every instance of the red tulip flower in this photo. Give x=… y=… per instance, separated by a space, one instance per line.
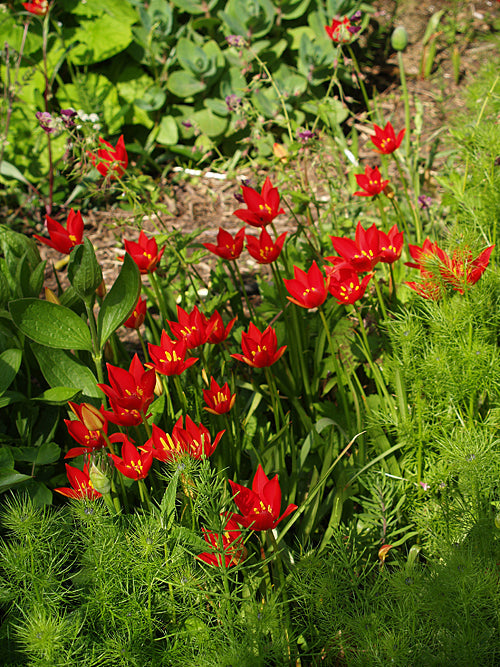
x=363 y=253
x=218 y=399
x=227 y=247
x=219 y=332
x=87 y=429
x=390 y=245
x=227 y=544
x=264 y=249
x=38 y=7
x=309 y=289
x=262 y=208
x=259 y=349
x=133 y=463
x=371 y=183
x=428 y=289
x=344 y=285
x=385 y=140
x=130 y=394
x=138 y=315
x=162 y=445
x=80 y=481
x=169 y=357
x=110 y=159
x=64 y=240
x=145 y=253
x=260 y=506
x=193 y=328
x=195 y=440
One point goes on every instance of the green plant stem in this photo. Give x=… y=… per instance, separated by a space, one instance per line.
x=144 y=494
x=180 y=394
x=359 y=78
x=279 y=565
x=153 y=278
x=380 y=298
x=46 y=92
x=96 y=348
x=239 y=282
x=276 y=90
x=406 y=100
x=143 y=345
x=383 y=215
x=336 y=365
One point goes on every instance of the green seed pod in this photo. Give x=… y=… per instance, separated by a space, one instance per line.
x=399 y=38
x=100 y=481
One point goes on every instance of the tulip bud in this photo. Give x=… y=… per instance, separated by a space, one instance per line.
x=280 y=152
x=383 y=551
x=399 y=38
x=101 y=290
x=50 y=296
x=91 y=417
x=158 y=390
x=99 y=479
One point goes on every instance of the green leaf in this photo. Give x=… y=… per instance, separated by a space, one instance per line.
x=184 y=84
x=120 y=300
x=191 y=57
x=57 y=395
x=49 y=452
x=209 y=123
x=62 y=369
x=10 y=362
x=84 y=272
x=6 y=458
x=10 y=171
x=11 y=397
x=10 y=477
x=168 y=132
x=167 y=506
x=50 y=324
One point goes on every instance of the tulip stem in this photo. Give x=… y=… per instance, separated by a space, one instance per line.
x=359 y=78
x=159 y=297
x=281 y=575
x=180 y=393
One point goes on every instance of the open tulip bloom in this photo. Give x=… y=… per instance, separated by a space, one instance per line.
x=264 y=249
x=131 y=392
x=193 y=328
x=344 y=285
x=82 y=487
x=227 y=247
x=169 y=357
x=259 y=349
x=227 y=544
x=37 y=7
x=133 y=463
x=218 y=399
x=61 y=239
x=113 y=160
x=262 y=208
x=145 y=253
x=308 y=290
x=363 y=253
x=219 y=332
x=371 y=183
x=385 y=140
x=260 y=506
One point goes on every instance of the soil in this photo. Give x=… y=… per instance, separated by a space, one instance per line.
x=206 y=203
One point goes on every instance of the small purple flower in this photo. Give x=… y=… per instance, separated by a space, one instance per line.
x=356 y=17
x=67 y=116
x=187 y=124
x=425 y=486
x=353 y=29
x=305 y=135
x=239 y=198
x=47 y=123
x=232 y=102
x=235 y=40
x=425 y=202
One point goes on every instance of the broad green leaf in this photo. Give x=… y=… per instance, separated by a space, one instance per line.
x=57 y=395
x=120 y=300
x=84 y=272
x=6 y=458
x=10 y=362
x=50 y=324
x=168 y=132
x=191 y=57
x=10 y=171
x=49 y=452
x=11 y=397
x=63 y=369
x=184 y=84
x=209 y=123
x=39 y=493
x=10 y=477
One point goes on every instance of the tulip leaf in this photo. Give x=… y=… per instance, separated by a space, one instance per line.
x=50 y=324
x=10 y=361
x=84 y=272
x=10 y=477
x=120 y=300
x=62 y=369
x=57 y=395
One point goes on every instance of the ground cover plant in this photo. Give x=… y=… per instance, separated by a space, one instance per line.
x=304 y=471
